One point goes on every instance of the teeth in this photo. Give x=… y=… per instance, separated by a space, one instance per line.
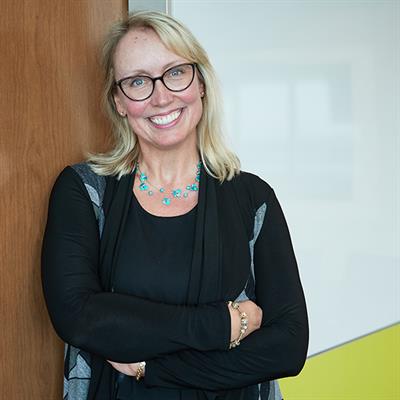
x=166 y=119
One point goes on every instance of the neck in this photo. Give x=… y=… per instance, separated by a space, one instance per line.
x=169 y=168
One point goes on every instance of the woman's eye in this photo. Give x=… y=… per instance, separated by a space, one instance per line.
x=176 y=72
x=136 y=82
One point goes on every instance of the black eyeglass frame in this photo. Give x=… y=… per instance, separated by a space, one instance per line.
x=158 y=78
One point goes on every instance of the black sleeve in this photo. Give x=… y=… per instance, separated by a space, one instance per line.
x=117 y=327
x=278 y=349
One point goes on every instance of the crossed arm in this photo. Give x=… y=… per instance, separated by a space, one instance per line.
x=97 y=321
x=278 y=349
x=176 y=341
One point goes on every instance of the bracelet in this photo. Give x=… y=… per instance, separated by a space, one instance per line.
x=243 y=324
x=140 y=370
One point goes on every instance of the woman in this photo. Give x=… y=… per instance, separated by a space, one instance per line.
x=146 y=246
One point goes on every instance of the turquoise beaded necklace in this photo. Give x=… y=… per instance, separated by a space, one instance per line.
x=145 y=186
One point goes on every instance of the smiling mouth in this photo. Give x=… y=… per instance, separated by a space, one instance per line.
x=166 y=119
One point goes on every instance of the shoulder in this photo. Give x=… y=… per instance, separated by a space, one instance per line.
x=79 y=174
x=253 y=181
x=251 y=187
x=67 y=186
x=67 y=178
x=86 y=173
x=80 y=179
x=72 y=179
x=92 y=181
x=70 y=200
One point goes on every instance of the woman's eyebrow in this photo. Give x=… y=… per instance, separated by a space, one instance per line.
x=163 y=69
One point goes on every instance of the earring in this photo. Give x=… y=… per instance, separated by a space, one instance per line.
x=202 y=94
x=122 y=114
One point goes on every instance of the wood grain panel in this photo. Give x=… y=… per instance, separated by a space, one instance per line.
x=50 y=83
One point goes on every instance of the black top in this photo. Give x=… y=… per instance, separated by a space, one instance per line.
x=154 y=262
x=184 y=345
x=155 y=255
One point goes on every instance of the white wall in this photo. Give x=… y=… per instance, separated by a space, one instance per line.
x=311 y=92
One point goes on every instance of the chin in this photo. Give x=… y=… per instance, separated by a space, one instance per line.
x=171 y=141
x=169 y=144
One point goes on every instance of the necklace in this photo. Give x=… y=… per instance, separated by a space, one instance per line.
x=145 y=186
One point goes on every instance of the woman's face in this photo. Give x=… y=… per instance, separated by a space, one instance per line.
x=166 y=119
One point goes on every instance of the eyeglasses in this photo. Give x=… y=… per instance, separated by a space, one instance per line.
x=141 y=87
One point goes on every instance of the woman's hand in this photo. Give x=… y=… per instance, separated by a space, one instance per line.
x=126 y=369
x=254 y=316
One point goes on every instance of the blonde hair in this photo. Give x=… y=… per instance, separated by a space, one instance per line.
x=218 y=160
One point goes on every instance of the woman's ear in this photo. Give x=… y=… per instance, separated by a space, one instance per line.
x=119 y=105
x=202 y=89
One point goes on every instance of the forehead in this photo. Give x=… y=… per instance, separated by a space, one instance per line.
x=141 y=50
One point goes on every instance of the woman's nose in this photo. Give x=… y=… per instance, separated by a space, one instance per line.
x=161 y=95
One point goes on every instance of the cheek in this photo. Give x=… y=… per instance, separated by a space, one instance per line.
x=190 y=97
x=195 y=105
x=136 y=109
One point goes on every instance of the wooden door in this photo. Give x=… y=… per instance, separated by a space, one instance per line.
x=50 y=84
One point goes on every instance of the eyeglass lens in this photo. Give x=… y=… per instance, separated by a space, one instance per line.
x=176 y=79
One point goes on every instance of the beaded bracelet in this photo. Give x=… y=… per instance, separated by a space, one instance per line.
x=140 y=370
x=243 y=324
